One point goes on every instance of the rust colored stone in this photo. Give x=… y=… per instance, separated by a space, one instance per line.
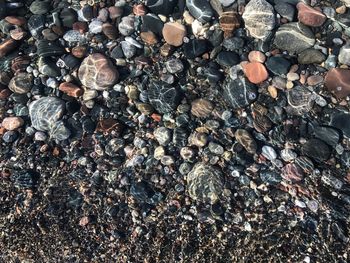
x=174 y=33
x=7 y=46
x=256 y=56
x=81 y=27
x=337 y=81
x=310 y=16
x=139 y=10
x=149 y=38
x=16 y=20
x=12 y=123
x=17 y=33
x=229 y=21
x=255 y=72
x=71 y=89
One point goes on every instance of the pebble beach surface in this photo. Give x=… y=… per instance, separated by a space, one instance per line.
x=174 y=131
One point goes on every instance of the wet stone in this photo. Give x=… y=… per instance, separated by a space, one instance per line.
x=174 y=65
x=288 y=155
x=126 y=26
x=12 y=123
x=228 y=58
x=327 y=134
x=246 y=140
x=278 y=65
x=310 y=16
x=316 y=149
x=285 y=10
x=205 y=183
x=240 y=93
x=164 y=7
x=201 y=108
x=337 y=81
x=40 y=7
x=163 y=135
x=344 y=54
x=195 y=48
x=292 y=172
x=174 y=33
x=216 y=148
x=310 y=56
x=163 y=97
x=200 y=9
x=269 y=152
x=305 y=164
x=21 y=83
x=270 y=177
x=341 y=121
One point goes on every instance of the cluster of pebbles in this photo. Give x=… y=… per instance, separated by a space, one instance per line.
x=173 y=130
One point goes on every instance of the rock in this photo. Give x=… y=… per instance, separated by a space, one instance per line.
x=215 y=148
x=346 y=2
x=300 y=100
x=311 y=56
x=337 y=81
x=139 y=10
x=7 y=46
x=227 y=3
x=47 y=48
x=163 y=135
x=164 y=7
x=240 y=92
x=310 y=16
x=246 y=140
x=149 y=38
x=73 y=36
x=344 y=54
x=255 y=72
x=270 y=177
x=195 y=48
x=95 y=27
x=59 y=131
x=205 y=183
x=68 y=17
x=278 y=65
x=285 y=10
x=143 y=192
x=48 y=67
x=201 y=108
x=316 y=149
x=36 y=24
x=21 y=83
x=97 y=72
x=327 y=134
x=198 y=139
x=110 y=31
x=12 y=123
x=288 y=155
x=129 y=50
x=292 y=172
x=256 y=56
x=126 y=26
x=45 y=111
x=229 y=22
x=341 y=121
x=174 y=66
x=40 y=7
x=180 y=137
x=71 y=89
x=174 y=33
x=294 y=37
x=269 y=152
x=151 y=22
x=228 y=58
x=259 y=18
x=163 y=97
x=305 y=164
x=200 y=9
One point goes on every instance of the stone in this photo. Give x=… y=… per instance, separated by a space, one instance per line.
x=198 y=139
x=139 y=10
x=126 y=26
x=21 y=83
x=346 y=2
x=327 y=134
x=97 y=72
x=288 y=155
x=294 y=37
x=341 y=121
x=95 y=26
x=270 y=177
x=228 y=58
x=311 y=56
x=153 y=23
x=70 y=89
x=174 y=65
x=292 y=172
x=7 y=46
x=256 y=56
x=129 y=50
x=174 y=33
x=59 y=131
x=310 y=16
x=36 y=24
x=68 y=16
x=246 y=140
x=200 y=9
x=205 y=183
x=316 y=150
x=278 y=65
x=240 y=92
x=215 y=148
x=300 y=100
x=227 y=3
x=12 y=123
x=259 y=18
x=337 y=81
x=344 y=54
x=164 y=7
x=255 y=72
x=149 y=38
x=163 y=97
x=201 y=108
x=73 y=36
x=48 y=67
x=163 y=135
x=269 y=153
x=110 y=31
x=40 y=7
x=285 y=10
x=229 y=22
x=195 y=48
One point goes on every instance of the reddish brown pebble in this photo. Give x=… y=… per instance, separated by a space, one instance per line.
x=174 y=33
x=110 y=31
x=255 y=72
x=115 y=12
x=337 y=81
x=229 y=21
x=58 y=30
x=256 y=56
x=310 y=16
x=149 y=38
x=70 y=89
x=84 y=221
x=20 y=63
x=201 y=108
x=81 y=27
x=79 y=51
x=16 y=20
x=17 y=33
x=12 y=123
x=314 y=80
x=4 y=94
x=7 y=46
x=139 y=10
x=166 y=50
x=292 y=172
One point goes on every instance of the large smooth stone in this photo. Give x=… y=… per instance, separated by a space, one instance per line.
x=200 y=9
x=163 y=97
x=316 y=150
x=240 y=92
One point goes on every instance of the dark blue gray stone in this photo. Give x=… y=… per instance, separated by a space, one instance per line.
x=163 y=97
x=200 y=9
x=164 y=7
x=240 y=92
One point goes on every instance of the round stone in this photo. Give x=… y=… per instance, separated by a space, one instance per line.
x=246 y=140
x=12 y=123
x=255 y=72
x=163 y=97
x=316 y=149
x=163 y=135
x=205 y=183
x=97 y=72
x=201 y=108
x=174 y=33
x=240 y=92
x=337 y=81
x=310 y=16
x=269 y=152
x=21 y=83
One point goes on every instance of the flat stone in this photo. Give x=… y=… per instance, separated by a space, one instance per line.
x=344 y=54
x=255 y=72
x=259 y=18
x=201 y=108
x=228 y=58
x=341 y=121
x=278 y=65
x=174 y=33
x=294 y=37
x=310 y=16
x=200 y=9
x=246 y=140
x=21 y=83
x=12 y=123
x=163 y=97
x=164 y=7
x=316 y=150
x=240 y=92
x=97 y=72
x=311 y=56
x=337 y=81
x=70 y=89
x=327 y=134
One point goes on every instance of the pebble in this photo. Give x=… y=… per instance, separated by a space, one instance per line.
x=256 y=56
x=288 y=155
x=21 y=83
x=200 y=9
x=110 y=31
x=126 y=26
x=164 y=7
x=255 y=72
x=129 y=50
x=70 y=89
x=292 y=172
x=294 y=37
x=228 y=58
x=195 y=48
x=246 y=140
x=337 y=81
x=240 y=92
x=163 y=135
x=344 y=54
x=269 y=152
x=40 y=7
x=310 y=16
x=259 y=18
x=149 y=38
x=7 y=46
x=163 y=97
x=201 y=108
x=327 y=134
x=216 y=148
x=12 y=123
x=174 y=33
x=316 y=150
x=229 y=22
x=285 y=10
x=311 y=56
x=270 y=177
x=341 y=121
x=97 y=72
x=174 y=66
x=346 y=2
x=95 y=26
x=278 y=65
